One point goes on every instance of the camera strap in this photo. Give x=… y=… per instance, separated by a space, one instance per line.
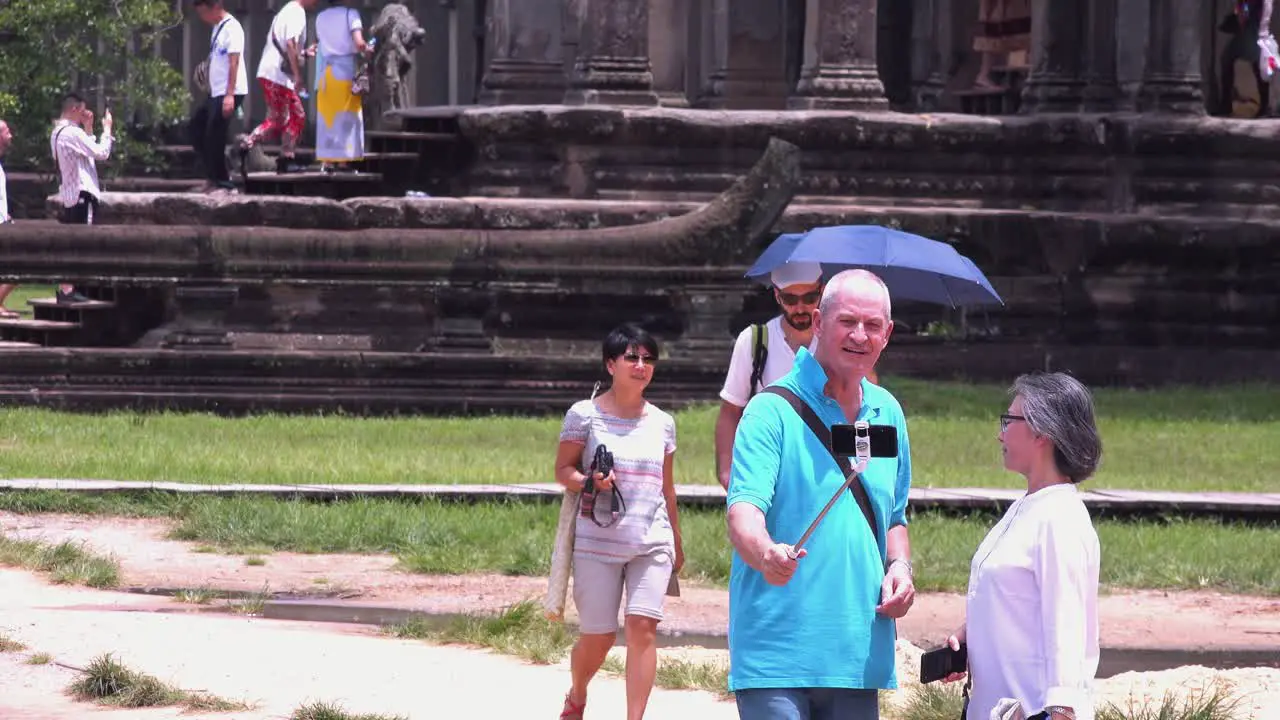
x=587 y=506
x=823 y=433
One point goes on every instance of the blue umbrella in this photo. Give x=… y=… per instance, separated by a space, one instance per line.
x=914 y=267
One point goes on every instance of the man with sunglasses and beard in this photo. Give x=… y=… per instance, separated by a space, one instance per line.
x=797 y=288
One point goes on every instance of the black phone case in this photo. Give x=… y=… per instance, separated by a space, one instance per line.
x=940 y=662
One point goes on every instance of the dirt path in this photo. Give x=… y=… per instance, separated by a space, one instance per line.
x=277 y=665
x=1147 y=619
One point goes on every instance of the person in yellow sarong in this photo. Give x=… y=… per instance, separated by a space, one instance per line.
x=339 y=111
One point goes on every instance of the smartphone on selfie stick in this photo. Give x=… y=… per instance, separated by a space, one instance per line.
x=862 y=441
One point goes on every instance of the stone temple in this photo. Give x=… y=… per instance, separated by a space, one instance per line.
x=593 y=161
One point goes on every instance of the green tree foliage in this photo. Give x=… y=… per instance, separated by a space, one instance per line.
x=102 y=49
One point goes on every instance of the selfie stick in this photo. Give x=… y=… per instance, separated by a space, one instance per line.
x=862 y=447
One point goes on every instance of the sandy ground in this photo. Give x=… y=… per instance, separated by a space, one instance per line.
x=278 y=665
x=1149 y=619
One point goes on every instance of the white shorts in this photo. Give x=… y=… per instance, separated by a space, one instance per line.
x=597 y=590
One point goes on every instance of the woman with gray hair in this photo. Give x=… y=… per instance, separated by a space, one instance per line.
x=1031 y=623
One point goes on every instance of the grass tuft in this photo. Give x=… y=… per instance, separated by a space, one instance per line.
x=202 y=595
x=333 y=711
x=677 y=674
x=520 y=630
x=40 y=659
x=1215 y=703
x=65 y=563
x=254 y=605
x=110 y=683
x=107 y=682
x=8 y=644
x=929 y=702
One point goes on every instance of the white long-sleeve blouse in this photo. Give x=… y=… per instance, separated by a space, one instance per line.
x=1032 y=608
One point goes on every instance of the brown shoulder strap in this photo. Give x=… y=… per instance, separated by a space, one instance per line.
x=823 y=433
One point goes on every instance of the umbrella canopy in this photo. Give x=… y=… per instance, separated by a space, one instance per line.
x=914 y=267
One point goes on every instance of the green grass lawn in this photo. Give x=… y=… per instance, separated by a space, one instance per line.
x=1225 y=438
x=17 y=300
x=516 y=538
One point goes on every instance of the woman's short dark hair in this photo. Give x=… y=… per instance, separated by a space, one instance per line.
x=1060 y=408
x=625 y=336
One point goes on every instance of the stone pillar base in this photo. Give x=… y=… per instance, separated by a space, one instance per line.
x=1101 y=97
x=202 y=313
x=1171 y=94
x=672 y=99
x=612 y=81
x=523 y=82
x=839 y=87
x=738 y=90
x=1052 y=94
x=460 y=315
x=706 y=311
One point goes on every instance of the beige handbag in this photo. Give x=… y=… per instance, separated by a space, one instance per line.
x=562 y=552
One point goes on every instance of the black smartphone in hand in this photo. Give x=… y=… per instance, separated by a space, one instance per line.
x=941 y=662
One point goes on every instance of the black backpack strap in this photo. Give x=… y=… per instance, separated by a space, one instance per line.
x=823 y=434
x=759 y=354
x=57 y=161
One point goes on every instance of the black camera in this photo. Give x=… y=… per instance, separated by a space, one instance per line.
x=602 y=463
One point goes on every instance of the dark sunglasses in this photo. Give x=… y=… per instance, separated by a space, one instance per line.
x=809 y=298
x=1006 y=420
x=633 y=358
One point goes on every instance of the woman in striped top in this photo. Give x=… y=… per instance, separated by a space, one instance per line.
x=642 y=549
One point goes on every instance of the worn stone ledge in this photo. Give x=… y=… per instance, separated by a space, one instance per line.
x=479 y=213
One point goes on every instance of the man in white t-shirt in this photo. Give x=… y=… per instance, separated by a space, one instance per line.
x=280 y=73
x=797 y=287
x=228 y=84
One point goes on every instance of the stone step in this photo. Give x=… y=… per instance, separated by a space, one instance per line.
x=45 y=325
x=14 y=345
x=53 y=303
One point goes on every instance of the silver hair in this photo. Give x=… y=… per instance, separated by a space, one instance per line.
x=1060 y=408
x=845 y=278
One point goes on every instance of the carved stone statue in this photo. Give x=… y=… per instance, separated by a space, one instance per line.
x=398 y=34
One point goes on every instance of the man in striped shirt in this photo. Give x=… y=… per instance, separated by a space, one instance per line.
x=76 y=154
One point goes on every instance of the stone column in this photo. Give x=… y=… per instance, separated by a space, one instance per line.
x=1171 y=81
x=526 y=66
x=840 y=58
x=1056 y=80
x=931 y=52
x=613 y=55
x=749 y=56
x=1101 y=89
x=669 y=50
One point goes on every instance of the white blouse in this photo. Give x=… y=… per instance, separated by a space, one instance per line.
x=1032 y=608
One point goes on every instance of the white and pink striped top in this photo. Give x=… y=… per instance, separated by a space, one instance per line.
x=640 y=447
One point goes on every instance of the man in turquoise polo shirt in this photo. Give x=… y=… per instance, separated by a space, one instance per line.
x=811 y=632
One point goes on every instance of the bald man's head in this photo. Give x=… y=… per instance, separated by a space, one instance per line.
x=853 y=325
x=857 y=282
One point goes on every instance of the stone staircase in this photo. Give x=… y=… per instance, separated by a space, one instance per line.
x=112 y=317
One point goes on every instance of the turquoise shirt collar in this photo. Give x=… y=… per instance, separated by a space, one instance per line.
x=812 y=380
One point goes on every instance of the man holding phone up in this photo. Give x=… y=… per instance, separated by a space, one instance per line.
x=811 y=631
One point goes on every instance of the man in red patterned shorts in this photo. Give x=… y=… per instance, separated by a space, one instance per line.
x=280 y=73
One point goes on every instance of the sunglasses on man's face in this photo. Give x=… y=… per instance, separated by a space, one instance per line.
x=634 y=358
x=809 y=298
